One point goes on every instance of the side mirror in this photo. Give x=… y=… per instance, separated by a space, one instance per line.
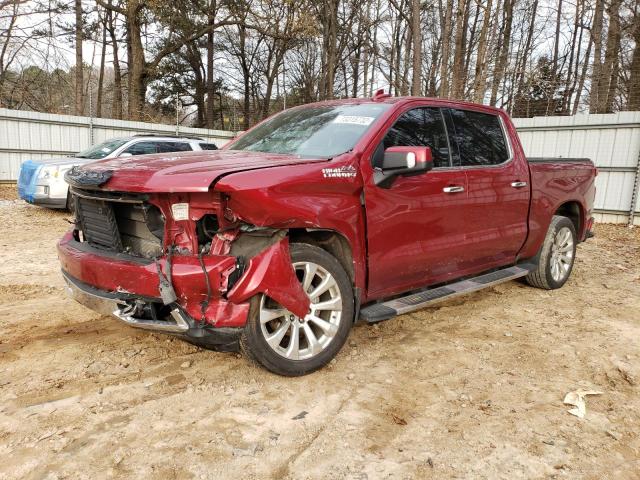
x=125 y=154
x=402 y=161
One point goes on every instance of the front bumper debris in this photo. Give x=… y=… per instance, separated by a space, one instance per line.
x=122 y=307
x=138 y=278
x=111 y=304
x=127 y=287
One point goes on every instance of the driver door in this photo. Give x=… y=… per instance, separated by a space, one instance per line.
x=415 y=227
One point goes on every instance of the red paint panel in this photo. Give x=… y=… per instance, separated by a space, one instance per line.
x=555 y=184
x=304 y=196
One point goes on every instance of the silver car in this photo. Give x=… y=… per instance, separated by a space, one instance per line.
x=42 y=182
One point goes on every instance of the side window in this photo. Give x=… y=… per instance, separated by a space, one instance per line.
x=421 y=127
x=208 y=146
x=141 y=148
x=168 y=147
x=479 y=137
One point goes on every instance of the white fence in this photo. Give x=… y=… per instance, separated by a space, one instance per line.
x=612 y=141
x=32 y=135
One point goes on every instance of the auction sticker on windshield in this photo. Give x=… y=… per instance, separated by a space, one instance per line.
x=353 y=120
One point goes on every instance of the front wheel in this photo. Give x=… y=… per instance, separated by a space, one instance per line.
x=289 y=345
x=556 y=257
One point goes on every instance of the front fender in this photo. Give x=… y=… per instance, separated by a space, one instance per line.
x=271 y=272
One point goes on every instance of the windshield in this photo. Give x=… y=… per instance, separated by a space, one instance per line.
x=103 y=149
x=315 y=131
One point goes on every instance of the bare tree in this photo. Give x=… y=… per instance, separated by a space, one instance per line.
x=79 y=88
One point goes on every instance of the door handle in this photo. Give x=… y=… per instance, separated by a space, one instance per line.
x=454 y=189
x=518 y=184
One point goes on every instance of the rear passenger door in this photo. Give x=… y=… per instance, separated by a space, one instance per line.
x=498 y=188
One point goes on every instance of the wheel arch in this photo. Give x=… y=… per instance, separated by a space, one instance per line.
x=574 y=211
x=331 y=241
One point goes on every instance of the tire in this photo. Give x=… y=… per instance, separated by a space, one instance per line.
x=71 y=204
x=556 y=257
x=329 y=326
x=213 y=346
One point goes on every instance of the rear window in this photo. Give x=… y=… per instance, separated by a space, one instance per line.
x=167 y=147
x=208 y=146
x=153 y=146
x=480 y=138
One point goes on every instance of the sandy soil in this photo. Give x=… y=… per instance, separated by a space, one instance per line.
x=471 y=389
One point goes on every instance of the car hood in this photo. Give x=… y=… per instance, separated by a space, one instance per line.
x=62 y=161
x=182 y=172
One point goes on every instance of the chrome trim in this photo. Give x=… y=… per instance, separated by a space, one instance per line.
x=125 y=314
x=454 y=189
x=119 y=309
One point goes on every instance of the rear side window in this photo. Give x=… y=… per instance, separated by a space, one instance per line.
x=479 y=137
x=141 y=148
x=421 y=127
x=167 y=147
x=208 y=146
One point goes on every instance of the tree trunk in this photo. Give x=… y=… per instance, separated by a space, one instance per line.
x=521 y=73
x=596 y=35
x=416 y=32
x=209 y=81
x=583 y=76
x=503 y=57
x=246 y=78
x=608 y=84
x=330 y=48
x=101 y=72
x=137 y=66
x=457 y=85
x=480 y=78
x=446 y=47
x=404 y=87
x=117 y=75
x=576 y=40
x=79 y=107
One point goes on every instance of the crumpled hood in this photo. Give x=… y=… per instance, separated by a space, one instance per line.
x=184 y=172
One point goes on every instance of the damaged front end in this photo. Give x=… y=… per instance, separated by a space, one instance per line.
x=179 y=263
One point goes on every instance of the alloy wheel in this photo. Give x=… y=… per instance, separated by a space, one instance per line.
x=301 y=338
x=561 y=254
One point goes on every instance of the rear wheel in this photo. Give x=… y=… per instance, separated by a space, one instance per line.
x=290 y=345
x=555 y=261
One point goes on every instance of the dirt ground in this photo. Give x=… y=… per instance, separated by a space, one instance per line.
x=470 y=389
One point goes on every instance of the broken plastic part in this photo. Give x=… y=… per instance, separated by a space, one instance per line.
x=167 y=293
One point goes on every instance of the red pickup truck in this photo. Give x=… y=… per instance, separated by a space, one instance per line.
x=322 y=215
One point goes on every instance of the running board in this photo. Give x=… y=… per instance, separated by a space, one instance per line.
x=415 y=301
